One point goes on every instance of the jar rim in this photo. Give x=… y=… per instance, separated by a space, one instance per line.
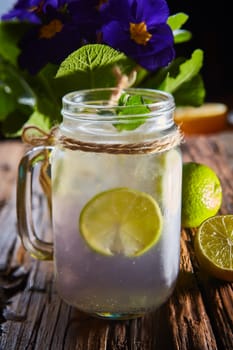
x=88 y=117
x=74 y=102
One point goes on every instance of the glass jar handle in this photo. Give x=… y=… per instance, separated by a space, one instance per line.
x=37 y=156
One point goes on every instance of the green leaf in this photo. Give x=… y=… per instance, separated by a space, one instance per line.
x=153 y=81
x=12 y=125
x=176 y=21
x=14 y=82
x=25 y=93
x=7 y=102
x=181 y=36
x=47 y=99
x=191 y=93
x=40 y=120
x=16 y=96
x=186 y=86
x=129 y=116
x=10 y=34
x=142 y=74
x=47 y=105
x=187 y=71
x=91 y=66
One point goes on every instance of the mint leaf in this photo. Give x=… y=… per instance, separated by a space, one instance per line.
x=91 y=66
x=134 y=106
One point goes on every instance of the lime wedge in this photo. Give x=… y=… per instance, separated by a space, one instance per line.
x=214 y=246
x=121 y=221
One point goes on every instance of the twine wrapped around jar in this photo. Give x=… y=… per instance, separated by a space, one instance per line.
x=35 y=136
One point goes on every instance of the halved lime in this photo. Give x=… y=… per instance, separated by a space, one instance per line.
x=214 y=246
x=121 y=221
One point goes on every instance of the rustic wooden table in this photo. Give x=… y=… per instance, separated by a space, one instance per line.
x=198 y=316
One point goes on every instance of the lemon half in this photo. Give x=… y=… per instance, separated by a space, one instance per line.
x=121 y=221
x=208 y=118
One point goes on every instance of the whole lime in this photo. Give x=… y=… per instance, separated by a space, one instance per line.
x=201 y=194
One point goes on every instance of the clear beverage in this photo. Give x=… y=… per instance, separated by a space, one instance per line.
x=116 y=285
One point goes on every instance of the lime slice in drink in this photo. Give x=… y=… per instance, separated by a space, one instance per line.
x=121 y=221
x=214 y=246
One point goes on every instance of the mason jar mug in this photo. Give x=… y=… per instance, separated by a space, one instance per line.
x=112 y=173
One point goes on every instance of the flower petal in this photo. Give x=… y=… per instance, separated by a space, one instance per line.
x=153 y=45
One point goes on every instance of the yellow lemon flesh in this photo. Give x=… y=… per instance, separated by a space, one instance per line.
x=214 y=246
x=121 y=221
x=201 y=194
x=205 y=119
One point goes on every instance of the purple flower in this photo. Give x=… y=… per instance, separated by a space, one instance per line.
x=30 y=10
x=60 y=27
x=86 y=15
x=39 y=48
x=139 y=29
x=136 y=27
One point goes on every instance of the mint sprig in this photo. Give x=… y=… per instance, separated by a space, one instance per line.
x=133 y=114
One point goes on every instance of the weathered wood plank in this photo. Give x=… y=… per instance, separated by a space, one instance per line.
x=198 y=315
x=217 y=296
x=191 y=327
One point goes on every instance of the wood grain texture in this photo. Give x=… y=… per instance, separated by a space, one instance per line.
x=198 y=315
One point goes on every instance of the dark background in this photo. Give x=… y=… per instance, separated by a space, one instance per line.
x=211 y=25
